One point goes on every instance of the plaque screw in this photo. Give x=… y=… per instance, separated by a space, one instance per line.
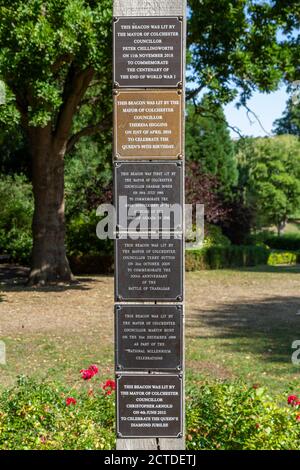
x=178 y=368
x=119 y=434
x=115 y=92
x=117 y=156
x=180 y=18
x=179 y=85
x=179 y=92
x=179 y=298
x=116 y=84
x=115 y=18
x=180 y=434
x=180 y=157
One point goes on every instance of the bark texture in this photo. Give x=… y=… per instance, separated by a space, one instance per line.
x=49 y=260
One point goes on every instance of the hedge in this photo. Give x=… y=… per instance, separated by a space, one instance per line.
x=222 y=257
x=289 y=242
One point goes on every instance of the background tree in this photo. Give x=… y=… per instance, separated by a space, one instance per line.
x=235 y=47
x=289 y=123
x=273 y=187
x=55 y=60
x=208 y=142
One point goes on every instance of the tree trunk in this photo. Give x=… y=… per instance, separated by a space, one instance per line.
x=49 y=261
x=280 y=227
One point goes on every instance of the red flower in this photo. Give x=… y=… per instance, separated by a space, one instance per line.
x=70 y=401
x=298 y=418
x=257 y=425
x=292 y=399
x=88 y=374
x=94 y=369
x=109 y=386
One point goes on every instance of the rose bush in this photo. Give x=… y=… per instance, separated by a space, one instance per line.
x=219 y=415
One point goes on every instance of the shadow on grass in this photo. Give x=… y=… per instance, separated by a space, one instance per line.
x=14 y=278
x=267 y=327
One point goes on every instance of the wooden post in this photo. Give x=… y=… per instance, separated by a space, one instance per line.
x=156 y=8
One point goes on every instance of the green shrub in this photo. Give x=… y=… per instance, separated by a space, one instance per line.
x=288 y=242
x=218 y=257
x=35 y=416
x=232 y=416
x=282 y=257
x=215 y=237
x=219 y=415
x=16 y=212
x=81 y=238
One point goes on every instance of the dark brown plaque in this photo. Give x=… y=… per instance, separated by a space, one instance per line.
x=148 y=124
x=149 y=269
x=149 y=406
x=148 y=52
x=151 y=191
x=148 y=337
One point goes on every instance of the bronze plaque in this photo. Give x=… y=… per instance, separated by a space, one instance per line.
x=148 y=337
x=148 y=124
x=149 y=268
x=148 y=52
x=149 y=406
x=154 y=190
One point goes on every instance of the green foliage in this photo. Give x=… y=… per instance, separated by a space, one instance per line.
x=223 y=257
x=46 y=37
x=82 y=239
x=289 y=123
x=232 y=416
x=290 y=241
x=277 y=258
x=15 y=217
x=35 y=416
x=215 y=237
x=271 y=169
x=219 y=415
x=235 y=46
x=208 y=142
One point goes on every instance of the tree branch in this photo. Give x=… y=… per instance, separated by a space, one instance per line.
x=76 y=85
x=89 y=131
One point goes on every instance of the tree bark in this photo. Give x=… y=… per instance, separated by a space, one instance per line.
x=49 y=260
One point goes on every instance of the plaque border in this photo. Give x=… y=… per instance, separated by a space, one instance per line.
x=119 y=156
x=180 y=296
x=118 y=163
x=156 y=435
x=119 y=367
x=146 y=86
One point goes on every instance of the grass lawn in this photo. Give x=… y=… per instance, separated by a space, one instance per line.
x=239 y=323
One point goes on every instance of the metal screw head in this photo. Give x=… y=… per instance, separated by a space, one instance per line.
x=179 y=298
x=180 y=157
